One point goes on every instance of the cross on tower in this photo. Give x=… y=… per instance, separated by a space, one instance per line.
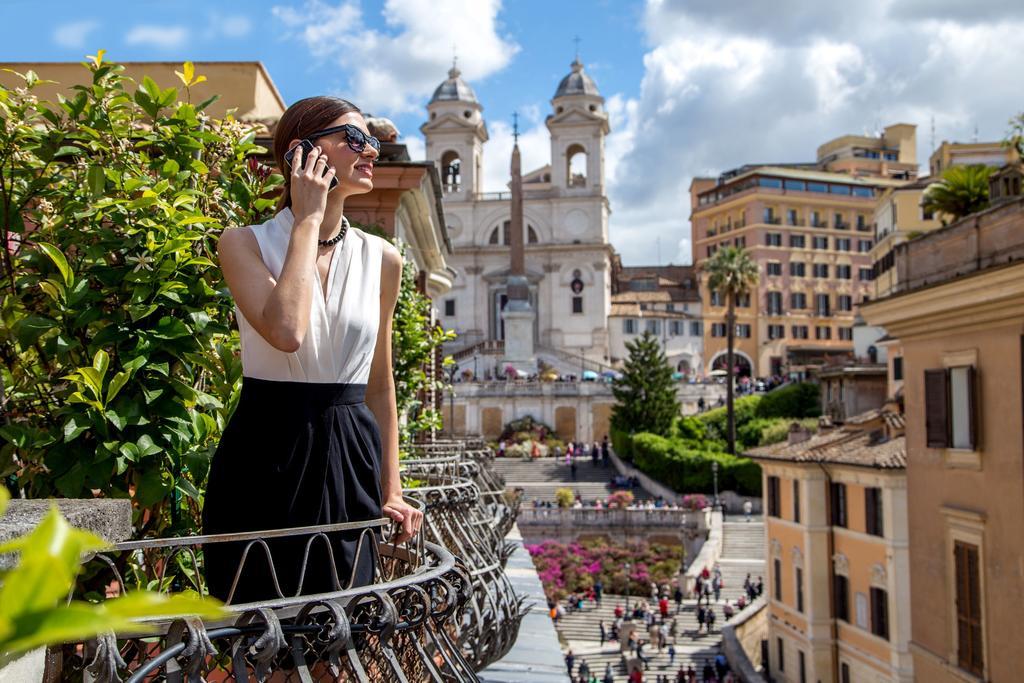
x=515 y=126
x=577 y=41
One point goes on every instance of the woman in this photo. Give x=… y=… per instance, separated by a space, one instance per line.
x=314 y=439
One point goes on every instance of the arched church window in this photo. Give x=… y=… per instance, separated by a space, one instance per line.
x=451 y=171
x=505 y=234
x=576 y=166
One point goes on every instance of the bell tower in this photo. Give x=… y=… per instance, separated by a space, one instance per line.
x=578 y=126
x=455 y=133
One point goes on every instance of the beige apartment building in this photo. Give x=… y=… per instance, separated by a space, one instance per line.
x=811 y=234
x=958 y=313
x=950 y=154
x=836 y=541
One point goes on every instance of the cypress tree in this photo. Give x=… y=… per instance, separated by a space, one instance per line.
x=645 y=395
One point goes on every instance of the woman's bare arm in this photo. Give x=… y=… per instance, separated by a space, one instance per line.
x=279 y=308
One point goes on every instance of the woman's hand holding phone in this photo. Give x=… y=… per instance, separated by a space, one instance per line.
x=311 y=179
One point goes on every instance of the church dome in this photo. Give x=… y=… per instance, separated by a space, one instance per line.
x=577 y=83
x=454 y=89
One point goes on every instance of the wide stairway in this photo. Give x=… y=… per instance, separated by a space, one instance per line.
x=742 y=554
x=540 y=478
x=581 y=632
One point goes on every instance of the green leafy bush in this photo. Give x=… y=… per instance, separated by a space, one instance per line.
x=565 y=497
x=793 y=401
x=119 y=365
x=689 y=470
x=716 y=420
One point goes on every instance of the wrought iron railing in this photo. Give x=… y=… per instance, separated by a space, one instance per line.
x=438 y=609
x=467 y=513
x=403 y=626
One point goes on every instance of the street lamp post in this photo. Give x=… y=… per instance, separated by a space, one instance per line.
x=450 y=372
x=714 y=472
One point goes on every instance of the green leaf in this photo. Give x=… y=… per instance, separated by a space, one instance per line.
x=73 y=428
x=170 y=328
x=115 y=418
x=49 y=561
x=116 y=382
x=59 y=260
x=28 y=330
x=101 y=361
x=97 y=181
x=147 y=447
x=153 y=486
x=93 y=380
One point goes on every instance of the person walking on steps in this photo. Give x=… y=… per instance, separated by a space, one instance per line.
x=314 y=438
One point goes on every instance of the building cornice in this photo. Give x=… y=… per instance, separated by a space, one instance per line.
x=990 y=297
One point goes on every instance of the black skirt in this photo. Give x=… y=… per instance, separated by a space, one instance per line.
x=293 y=454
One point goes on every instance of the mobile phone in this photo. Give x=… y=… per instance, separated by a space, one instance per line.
x=307 y=147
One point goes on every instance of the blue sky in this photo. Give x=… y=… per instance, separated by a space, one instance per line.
x=693 y=87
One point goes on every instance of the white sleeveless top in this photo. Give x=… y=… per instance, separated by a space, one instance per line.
x=342 y=332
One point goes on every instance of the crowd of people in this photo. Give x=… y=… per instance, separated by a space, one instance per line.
x=653 y=623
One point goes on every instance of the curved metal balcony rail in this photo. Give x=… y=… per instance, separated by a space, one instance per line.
x=476 y=460
x=458 y=518
x=404 y=626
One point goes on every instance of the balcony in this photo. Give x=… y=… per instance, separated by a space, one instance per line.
x=439 y=608
x=842 y=225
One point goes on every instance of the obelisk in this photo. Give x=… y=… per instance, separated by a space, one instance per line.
x=518 y=314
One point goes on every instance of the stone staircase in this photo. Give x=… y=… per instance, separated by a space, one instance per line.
x=540 y=478
x=581 y=634
x=742 y=553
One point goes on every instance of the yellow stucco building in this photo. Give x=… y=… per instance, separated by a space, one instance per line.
x=836 y=540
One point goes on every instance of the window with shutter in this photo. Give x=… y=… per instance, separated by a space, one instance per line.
x=880 y=613
x=873 y=511
x=796 y=501
x=837 y=499
x=842 y=597
x=968 y=608
x=936 y=408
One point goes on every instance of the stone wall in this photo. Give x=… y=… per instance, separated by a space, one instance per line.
x=741 y=641
x=678 y=527
x=976 y=242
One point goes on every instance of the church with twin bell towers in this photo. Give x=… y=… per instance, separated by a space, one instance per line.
x=533 y=264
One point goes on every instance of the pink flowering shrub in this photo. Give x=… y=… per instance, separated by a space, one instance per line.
x=620 y=499
x=695 y=501
x=574 y=567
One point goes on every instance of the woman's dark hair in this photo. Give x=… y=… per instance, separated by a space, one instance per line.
x=301 y=119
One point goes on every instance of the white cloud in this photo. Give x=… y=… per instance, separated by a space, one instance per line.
x=393 y=71
x=235 y=26
x=753 y=82
x=73 y=35
x=163 y=37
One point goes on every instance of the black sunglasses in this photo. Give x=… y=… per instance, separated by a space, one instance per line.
x=356 y=139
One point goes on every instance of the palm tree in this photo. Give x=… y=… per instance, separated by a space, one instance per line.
x=963 y=190
x=732 y=273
